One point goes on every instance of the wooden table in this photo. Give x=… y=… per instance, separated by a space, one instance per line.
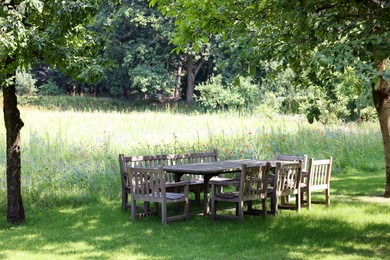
x=211 y=169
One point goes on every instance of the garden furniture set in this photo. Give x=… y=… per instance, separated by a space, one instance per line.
x=169 y=179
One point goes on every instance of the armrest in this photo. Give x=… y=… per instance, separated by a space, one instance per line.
x=176 y=184
x=305 y=174
x=225 y=182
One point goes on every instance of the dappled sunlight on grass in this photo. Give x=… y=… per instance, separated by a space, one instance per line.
x=72 y=193
x=105 y=231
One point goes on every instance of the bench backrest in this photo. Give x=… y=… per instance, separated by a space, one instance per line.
x=319 y=172
x=295 y=158
x=164 y=160
x=287 y=178
x=203 y=157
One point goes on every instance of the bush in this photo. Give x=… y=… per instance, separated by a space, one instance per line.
x=240 y=94
x=50 y=89
x=25 y=83
x=368 y=114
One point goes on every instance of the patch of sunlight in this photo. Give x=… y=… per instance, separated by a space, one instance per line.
x=103 y=238
x=76 y=247
x=78 y=224
x=366 y=199
x=71 y=210
x=52 y=255
x=148 y=231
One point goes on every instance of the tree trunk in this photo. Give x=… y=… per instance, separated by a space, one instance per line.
x=13 y=124
x=191 y=75
x=176 y=94
x=381 y=98
x=190 y=79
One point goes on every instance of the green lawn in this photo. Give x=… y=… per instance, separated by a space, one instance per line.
x=353 y=227
x=71 y=188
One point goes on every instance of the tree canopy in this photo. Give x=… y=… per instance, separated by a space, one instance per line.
x=322 y=42
x=32 y=30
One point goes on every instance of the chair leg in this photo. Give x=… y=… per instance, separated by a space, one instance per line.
x=213 y=208
x=327 y=197
x=186 y=209
x=264 y=207
x=146 y=206
x=125 y=200
x=156 y=209
x=298 y=201
x=240 y=211
x=274 y=205
x=308 y=200
x=197 y=197
x=164 y=213
x=133 y=209
x=250 y=205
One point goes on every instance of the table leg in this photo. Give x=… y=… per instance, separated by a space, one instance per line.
x=206 y=206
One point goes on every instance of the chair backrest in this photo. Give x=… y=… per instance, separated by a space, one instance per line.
x=287 y=178
x=254 y=181
x=203 y=157
x=319 y=172
x=145 y=161
x=294 y=158
x=163 y=160
x=147 y=182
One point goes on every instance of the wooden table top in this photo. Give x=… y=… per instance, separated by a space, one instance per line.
x=216 y=167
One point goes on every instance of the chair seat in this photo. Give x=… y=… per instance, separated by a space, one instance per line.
x=175 y=196
x=196 y=182
x=227 y=195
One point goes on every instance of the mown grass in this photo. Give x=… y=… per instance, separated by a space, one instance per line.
x=71 y=188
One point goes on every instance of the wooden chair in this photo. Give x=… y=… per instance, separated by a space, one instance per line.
x=318 y=178
x=196 y=181
x=148 y=184
x=145 y=161
x=294 y=158
x=251 y=186
x=286 y=181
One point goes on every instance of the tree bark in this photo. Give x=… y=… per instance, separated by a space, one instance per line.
x=191 y=75
x=13 y=124
x=381 y=98
x=176 y=94
x=190 y=79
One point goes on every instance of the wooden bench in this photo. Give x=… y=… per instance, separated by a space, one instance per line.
x=148 y=184
x=196 y=181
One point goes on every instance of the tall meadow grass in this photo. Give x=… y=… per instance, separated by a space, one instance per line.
x=71 y=158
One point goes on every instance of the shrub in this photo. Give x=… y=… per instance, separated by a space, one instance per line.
x=25 y=83
x=50 y=89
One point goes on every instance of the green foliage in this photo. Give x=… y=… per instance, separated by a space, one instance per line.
x=239 y=94
x=25 y=83
x=47 y=30
x=152 y=80
x=50 y=89
x=137 y=43
x=333 y=46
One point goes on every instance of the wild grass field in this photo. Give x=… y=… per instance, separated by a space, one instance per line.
x=71 y=188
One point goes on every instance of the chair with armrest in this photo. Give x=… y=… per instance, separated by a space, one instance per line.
x=318 y=179
x=149 y=184
x=293 y=158
x=144 y=161
x=286 y=181
x=251 y=186
x=196 y=181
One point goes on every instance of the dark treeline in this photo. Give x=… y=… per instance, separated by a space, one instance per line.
x=136 y=53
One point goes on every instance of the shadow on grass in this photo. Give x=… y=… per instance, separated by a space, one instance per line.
x=353 y=226
x=105 y=231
